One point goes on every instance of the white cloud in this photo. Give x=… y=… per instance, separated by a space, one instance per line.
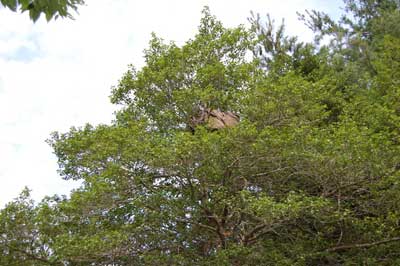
x=58 y=74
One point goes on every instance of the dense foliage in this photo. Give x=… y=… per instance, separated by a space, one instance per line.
x=50 y=8
x=309 y=176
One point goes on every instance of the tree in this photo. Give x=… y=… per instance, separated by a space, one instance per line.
x=307 y=176
x=51 y=9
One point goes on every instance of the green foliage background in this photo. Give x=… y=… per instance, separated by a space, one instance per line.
x=310 y=175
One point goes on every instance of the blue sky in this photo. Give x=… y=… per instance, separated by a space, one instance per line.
x=59 y=74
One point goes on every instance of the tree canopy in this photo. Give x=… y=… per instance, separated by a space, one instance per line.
x=50 y=8
x=308 y=174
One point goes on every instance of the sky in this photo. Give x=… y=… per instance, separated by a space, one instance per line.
x=59 y=74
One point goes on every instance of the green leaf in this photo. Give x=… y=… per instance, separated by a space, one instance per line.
x=34 y=14
x=11 y=4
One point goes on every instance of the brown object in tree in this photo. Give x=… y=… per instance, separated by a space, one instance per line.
x=214 y=119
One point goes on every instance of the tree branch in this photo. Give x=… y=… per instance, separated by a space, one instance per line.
x=210 y=228
x=363 y=245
